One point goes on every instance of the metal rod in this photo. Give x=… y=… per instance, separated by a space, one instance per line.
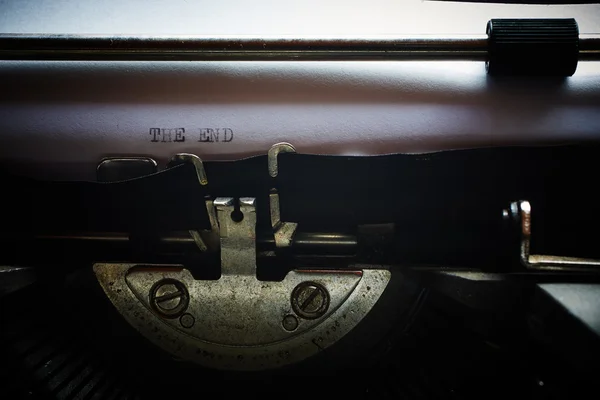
x=314 y=239
x=185 y=48
x=200 y=48
x=302 y=240
x=589 y=47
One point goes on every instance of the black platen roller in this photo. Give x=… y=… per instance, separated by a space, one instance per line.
x=541 y=47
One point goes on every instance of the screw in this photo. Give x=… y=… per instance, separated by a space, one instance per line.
x=187 y=320
x=169 y=298
x=290 y=323
x=310 y=300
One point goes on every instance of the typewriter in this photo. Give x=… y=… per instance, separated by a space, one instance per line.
x=314 y=200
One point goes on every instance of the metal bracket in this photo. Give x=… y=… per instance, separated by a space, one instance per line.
x=238 y=322
x=521 y=213
x=238 y=239
x=282 y=231
x=116 y=169
x=211 y=235
x=272 y=154
x=181 y=158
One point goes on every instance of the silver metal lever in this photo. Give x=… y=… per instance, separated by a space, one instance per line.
x=521 y=212
x=211 y=235
x=282 y=231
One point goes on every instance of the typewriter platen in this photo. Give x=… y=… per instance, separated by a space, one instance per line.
x=274 y=217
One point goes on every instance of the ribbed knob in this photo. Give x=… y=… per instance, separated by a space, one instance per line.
x=547 y=47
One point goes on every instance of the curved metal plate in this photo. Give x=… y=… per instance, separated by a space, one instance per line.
x=241 y=329
x=242 y=311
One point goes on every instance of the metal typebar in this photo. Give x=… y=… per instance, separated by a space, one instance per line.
x=187 y=48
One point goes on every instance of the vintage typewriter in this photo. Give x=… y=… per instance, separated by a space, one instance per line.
x=407 y=212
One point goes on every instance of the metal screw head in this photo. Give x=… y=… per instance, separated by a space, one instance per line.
x=169 y=298
x=310 y=300
x=187 y=320
x=290 y=323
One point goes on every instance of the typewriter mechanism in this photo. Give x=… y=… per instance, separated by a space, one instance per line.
x=464 y=273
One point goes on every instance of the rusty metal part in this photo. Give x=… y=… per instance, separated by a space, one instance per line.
x=520 y=211
x=169 y=298
x=310 y=300
x=242 y=323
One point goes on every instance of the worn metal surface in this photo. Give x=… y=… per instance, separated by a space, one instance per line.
x=238 y=318
x=521 y=213
x=239 y=322
x=238 y=239
x=239 y=310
